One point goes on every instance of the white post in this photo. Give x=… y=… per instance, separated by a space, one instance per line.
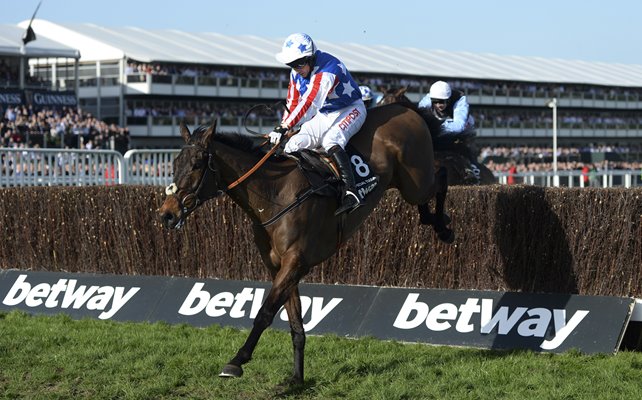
x=553 y=104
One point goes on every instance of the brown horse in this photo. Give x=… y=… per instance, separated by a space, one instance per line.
x=452 y=155
x=292 y=236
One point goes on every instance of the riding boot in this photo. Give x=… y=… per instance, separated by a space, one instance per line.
x=350 y=199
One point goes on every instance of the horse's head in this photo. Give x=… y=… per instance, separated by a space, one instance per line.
x=393 y=96
x=195 y=177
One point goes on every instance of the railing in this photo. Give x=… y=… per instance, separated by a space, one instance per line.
x=150 y=167
x=57 y=167
x=606 y=178
x=60 y=167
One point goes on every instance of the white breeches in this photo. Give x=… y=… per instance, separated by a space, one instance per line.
x=329 y=129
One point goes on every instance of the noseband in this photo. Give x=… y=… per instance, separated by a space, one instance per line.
x=195 y=196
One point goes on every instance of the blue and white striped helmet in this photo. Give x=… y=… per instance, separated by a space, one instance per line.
x=366 y=93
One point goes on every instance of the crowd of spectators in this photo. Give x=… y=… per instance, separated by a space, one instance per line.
x=135 y=68
x=24 y=126
x=571 y=119
x=485 y=118
x=518 y=159
x=228 y=112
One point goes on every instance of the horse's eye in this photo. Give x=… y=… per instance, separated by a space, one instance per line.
x=197 y=165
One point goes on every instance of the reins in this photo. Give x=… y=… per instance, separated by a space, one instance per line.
x=269 y=153
x=260 y=162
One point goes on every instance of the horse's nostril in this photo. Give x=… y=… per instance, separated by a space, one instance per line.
x=168 y=217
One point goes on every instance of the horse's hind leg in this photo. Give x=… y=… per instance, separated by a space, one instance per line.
x=439 y=220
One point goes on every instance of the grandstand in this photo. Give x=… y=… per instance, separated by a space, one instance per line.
x=19 y=82
x=149 y=80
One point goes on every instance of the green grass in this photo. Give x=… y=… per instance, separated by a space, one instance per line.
x=60 y=358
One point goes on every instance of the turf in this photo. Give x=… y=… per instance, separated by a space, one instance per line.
x=45 y=357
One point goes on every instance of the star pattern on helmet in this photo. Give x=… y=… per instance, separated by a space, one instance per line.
x=303 y=47
x=289 y=43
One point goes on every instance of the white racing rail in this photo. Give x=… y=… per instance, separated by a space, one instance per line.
x=575 y=178
x=65 y=167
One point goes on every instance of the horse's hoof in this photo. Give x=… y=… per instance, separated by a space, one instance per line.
x=231 y=371
x=447 y=236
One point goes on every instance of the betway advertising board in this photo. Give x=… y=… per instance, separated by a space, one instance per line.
x=483 y=319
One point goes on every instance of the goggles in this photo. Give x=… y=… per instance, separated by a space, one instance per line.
x=298 y=64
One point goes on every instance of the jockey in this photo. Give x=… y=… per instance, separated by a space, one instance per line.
x=325 y=102
x=366 y=96
x=450 y=109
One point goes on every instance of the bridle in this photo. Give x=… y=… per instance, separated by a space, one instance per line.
x=210 y=166
x=195 y=197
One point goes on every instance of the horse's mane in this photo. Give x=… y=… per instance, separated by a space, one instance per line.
x=397 y=96
x=247 y=143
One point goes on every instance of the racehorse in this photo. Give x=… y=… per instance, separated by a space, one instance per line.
x=292 y=236
x=452 y=155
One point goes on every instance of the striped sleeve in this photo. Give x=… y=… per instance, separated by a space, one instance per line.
x=318 y=89
x=292 y=99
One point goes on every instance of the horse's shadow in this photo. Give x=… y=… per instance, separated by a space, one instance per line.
x=532 y=243
x=288 y=389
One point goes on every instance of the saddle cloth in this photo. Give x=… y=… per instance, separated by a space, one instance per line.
x=323 y=176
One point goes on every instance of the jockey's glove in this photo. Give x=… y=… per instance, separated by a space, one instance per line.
x=276 y=134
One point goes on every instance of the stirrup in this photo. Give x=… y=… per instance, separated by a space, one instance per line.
x=349 y=202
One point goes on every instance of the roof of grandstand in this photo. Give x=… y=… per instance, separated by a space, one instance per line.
x=11 y=45
x=174 y=46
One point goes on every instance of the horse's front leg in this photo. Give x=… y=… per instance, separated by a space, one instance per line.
x=283 y=285
x=293 y=307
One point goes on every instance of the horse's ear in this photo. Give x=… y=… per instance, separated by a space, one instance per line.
x=401 y=91
x=207 y=135
x=185 y=131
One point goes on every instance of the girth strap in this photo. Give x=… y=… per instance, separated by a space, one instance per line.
x=297 y=202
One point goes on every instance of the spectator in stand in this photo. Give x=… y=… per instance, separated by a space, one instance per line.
x=512 y=170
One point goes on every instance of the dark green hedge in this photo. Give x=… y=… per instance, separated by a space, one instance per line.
x=586 y=241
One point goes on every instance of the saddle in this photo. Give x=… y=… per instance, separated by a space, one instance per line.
x=319 y=170
x=323 y=175
x=324 y=178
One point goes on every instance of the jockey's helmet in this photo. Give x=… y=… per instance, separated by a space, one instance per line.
x=440 y=90
x=296 y=47
x=366 y=93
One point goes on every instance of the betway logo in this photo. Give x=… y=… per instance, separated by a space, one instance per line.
x=108 y=299
x=443 y=316
x=248 y=302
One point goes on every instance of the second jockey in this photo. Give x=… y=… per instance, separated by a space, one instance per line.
x=325 y=102
x=451 y=111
